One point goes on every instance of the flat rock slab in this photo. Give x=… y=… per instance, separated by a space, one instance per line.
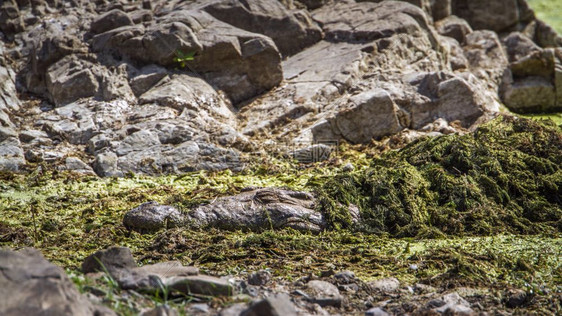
x=152 y=277
x=200 y=285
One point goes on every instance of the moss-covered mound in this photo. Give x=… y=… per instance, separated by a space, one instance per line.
x=505 y=177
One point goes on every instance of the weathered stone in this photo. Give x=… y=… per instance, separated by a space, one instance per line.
x=105 y=165
x=76 y=165
x=11 y=20
x=30 y=285
x=76 y=130
x=356 y=122
x=137 y=141
x=291 y=31
x=9 y=100
x=455 y=305
x=110 y=20
x=454 y=27
x=7 y=132
x=260 y=209
x=518 y=46
x=458 y=101
x=538 y=63
x=152 y=277
x=457 y=60
x=240 y=63
x=324 y=293
x=530 y=94
x=109 y=260
x=183 y=91
x=558 y=80
x=148 y=77
x=11 y=154
x=140 y=16
x=313 y=4
x=259 y=278
x=31 y=135
x=151 y=216
x=345 y=277
x=48 y=48
x=372 y=22
x=492 y=15
x=275 y=305
x=71 y=79
x=516 y=298
x=483 y=50
x=200 y=284
x=33 y=156
x=386 y=285
x=233 y=310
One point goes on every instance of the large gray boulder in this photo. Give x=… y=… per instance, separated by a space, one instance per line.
x=356 y=122
x=31 y=285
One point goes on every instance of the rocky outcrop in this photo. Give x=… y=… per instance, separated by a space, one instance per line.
x=367 y=81
x=159 y=87
x=30 y=285
x=240 y=63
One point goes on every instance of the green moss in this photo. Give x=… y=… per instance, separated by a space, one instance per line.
x=504 y=178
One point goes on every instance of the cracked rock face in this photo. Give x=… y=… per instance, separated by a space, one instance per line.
x=174 y=86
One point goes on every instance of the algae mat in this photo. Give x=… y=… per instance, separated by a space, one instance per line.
x=480 y=210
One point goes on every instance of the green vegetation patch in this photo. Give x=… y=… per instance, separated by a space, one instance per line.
x=548 y=11
x=503 y=178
